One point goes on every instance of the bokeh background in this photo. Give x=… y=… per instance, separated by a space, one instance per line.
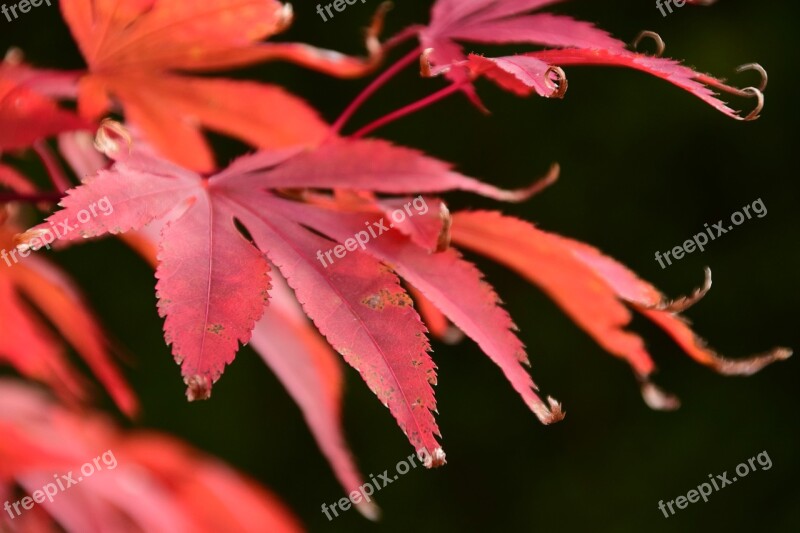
x=645 y=165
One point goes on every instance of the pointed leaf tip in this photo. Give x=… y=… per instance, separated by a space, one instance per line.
x=198 y=388
x=526 y=193
x=681 y=304
x=369 y=510
x=548 y=414
x=749 y=365
x=657 y=399
x=434 y=460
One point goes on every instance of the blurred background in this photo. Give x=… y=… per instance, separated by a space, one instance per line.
x=644 y=166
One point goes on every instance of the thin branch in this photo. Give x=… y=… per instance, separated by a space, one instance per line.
x=376 y=84
x=409 y=109
x=57 y=176
x=6 y=197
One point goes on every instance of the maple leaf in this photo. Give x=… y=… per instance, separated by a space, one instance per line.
x=499 y=22
x=301 y=360
x=32 y=287
x=134 y=48
x=697 y=83
x=145 y=481
x=521 y=74
x=496 y=21
x=569 y=43
x=312 y=375
x=138 y=54
x=213 y=283
x=593 y=290
x=137 y=51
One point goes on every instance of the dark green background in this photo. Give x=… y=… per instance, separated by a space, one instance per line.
x=645 y=165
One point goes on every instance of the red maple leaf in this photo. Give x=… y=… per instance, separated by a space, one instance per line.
x=226 y=243
x=593 y=290
x=140 y=481
x=213 y=283
x=136 y=49
x=569 y=43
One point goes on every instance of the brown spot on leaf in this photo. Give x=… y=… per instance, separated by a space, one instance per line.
x=378 y=301
x=374 y=302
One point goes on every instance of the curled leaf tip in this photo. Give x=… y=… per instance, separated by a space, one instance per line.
x=657 y=399
x=443 y=241
x=749 y=365
x=425 y=63
x=545 y=181
x=683 y=303
x=747 y=92
x=426 y=69
x=285 y=18
x=758 y=68
x=560 y=83
x=375 y=29
x=660 y=44
x=109 y=138
x=379 y=18
x=198 y=388
x=755 y=113
x=526 y=193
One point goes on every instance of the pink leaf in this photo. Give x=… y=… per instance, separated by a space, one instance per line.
x=544 y=29
x=591 y=288
x=361 y=309
x=212 y=289
x=666 y=69
x=136 y=191
x=374 y=165
x=425 y=220
x=502 y=22
x=311 y=373
x=455 y=286
x=542 y=259
x=520 y=74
